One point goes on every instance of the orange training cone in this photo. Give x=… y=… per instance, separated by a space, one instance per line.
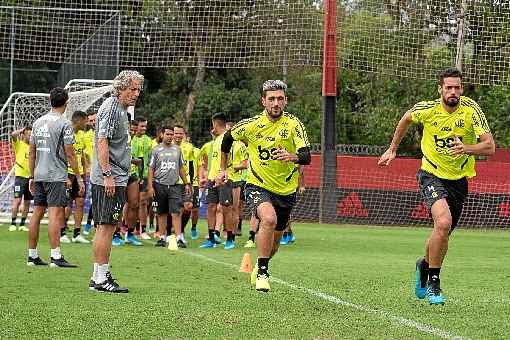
x=246 y=266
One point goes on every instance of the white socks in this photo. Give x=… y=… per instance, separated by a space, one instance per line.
x=55 y=253
x=94 y=274
x=102 y=269
x=32 y=253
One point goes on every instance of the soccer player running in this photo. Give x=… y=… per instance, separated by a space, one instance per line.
x=110 y=172
x=276 y=141
x=20 y=144
x=454 y=131
x=166 y=166
x=51 y=148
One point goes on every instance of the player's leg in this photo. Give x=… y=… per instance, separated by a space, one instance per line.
x=133 y=201
x=195 y=212
x=236 y=208
x=143 y=212
x=226 y=201
x=79 y=201
x=40 y=204
x=24 y=212
x=88 y=225
x=212 y=202
x=107 y=212
x=161 y=199
x=253 y=231
x=219 y=224
x=16 y=202
x=57 y=201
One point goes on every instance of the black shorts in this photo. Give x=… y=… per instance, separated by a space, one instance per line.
x=107 y=210
x=50 y=194
x=132 y=179
x=21 y=188
x=433 y=189
x=240 y=184
x=282 y=204
x=168 y=198
x=143 y=185
x=74 y=192
x=220 y=194
x=196 y=197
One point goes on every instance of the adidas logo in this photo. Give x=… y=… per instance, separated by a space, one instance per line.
x=504 y=209
x=351 y=206
x=420 y=212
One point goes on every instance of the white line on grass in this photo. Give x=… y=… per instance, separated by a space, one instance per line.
x=406 y=322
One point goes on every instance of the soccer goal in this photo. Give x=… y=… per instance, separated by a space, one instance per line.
x=22 y=109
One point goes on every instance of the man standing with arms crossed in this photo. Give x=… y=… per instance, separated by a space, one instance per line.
x=51 y=147
x=276 y=141
x=110 y=171
x=454 y=131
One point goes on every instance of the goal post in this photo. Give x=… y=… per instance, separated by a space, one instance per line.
x=22 y=109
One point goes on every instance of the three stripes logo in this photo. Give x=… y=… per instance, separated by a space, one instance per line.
x=351 y=206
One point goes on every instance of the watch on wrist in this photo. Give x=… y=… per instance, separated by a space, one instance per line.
x=107 y=173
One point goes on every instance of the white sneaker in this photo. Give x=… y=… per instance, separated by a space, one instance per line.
x=12 y=228
x=64 y=239
x=145 y=236
x=80 y=239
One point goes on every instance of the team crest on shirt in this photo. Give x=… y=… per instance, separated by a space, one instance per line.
x=284 y=133
x=460 y=123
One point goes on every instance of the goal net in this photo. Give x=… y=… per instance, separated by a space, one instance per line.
x=22 y=109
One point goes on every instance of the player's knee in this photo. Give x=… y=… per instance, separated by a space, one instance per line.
x=443 y=224
x=268 y=220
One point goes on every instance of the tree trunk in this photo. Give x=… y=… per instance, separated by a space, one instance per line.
x=197 y=84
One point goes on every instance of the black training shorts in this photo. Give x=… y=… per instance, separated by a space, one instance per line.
x=433 y=189
x=107 y=210
x=282 y=204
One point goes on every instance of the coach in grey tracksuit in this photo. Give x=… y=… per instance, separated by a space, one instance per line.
x=166 y=165
x=51 y=147
x=110 y=172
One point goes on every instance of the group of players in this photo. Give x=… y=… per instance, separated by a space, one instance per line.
x=272 y=145
x=132 y=178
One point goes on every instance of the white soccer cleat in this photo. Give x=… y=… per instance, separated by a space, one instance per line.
x=80 y=239
x=64 y=239
x=145 y=236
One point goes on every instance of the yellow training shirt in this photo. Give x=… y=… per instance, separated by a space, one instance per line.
x=263 y=137
x=21 y=151
x=439 y=129
x=79 y=149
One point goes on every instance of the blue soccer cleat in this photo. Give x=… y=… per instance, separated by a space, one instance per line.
x=291 y=238
x=131 y=239
x=284 y=240
x=434 y=294
x=117 y=241
x=421 y=277
x=229 y=245
x=208 y=244
x=217 y=239
x=86 y=228
x=194 y=234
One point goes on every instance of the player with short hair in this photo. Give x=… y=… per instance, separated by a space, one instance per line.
x=20 y=140
x=90 y=135
x=219 y=195
x=51 y=150
x=142 y=147
x=166 y=167
x=78 y=121
x=276 y=142
x=110 y=173
x=454 y=131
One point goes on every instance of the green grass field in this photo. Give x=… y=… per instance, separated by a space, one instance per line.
x=349 y=282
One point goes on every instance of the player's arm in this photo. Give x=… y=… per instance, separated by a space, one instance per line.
x=400 y=131
x=301 y=179
x=484 y=147
x=103 y=157
x=15 y=134
x=241 y=166
x=183 y=175
x=226 y=146
x=150 y=176
x=84 y=162
x=31 y=166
